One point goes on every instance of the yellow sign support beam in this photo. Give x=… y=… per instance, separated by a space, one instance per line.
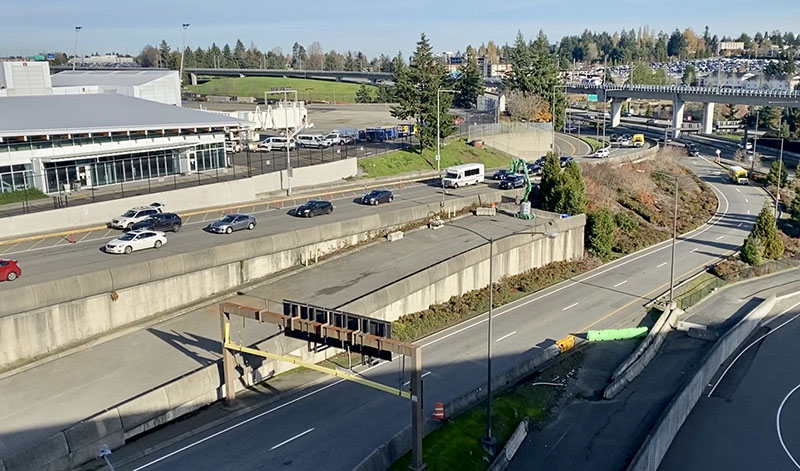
x=329 y=371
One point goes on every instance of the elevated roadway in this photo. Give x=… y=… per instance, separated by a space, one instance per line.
x=299 y=431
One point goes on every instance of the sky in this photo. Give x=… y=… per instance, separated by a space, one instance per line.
x=374 y=27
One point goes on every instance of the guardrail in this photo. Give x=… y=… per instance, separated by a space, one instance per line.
x=691 y=90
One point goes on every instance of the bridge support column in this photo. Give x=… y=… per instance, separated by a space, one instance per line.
x=616 y=111
x=193 y=78
x=708 y=118
x=677 y=117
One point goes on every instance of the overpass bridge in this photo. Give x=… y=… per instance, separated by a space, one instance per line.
x=337 y=75
x=679 y=95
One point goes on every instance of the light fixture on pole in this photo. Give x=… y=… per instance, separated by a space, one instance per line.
x=439 y=139
x=75 y=53
x=674 y=239
x=488 y=441
x=183 y=48
x=289 y=136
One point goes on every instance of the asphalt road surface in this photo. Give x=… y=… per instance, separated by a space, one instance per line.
x=751 y=420
x=41 y=262
x=337 y=424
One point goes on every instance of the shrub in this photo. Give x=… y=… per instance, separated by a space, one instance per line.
x=600 y=233
x=766 y=231
x=626 y=223
x=752 y=251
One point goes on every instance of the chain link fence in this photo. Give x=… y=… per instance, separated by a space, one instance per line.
x=479 y=131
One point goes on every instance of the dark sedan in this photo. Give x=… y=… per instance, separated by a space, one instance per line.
x=500 y=174
x=160 y=222
x=513 y=181
x=535 y=168
x=232 y=222
x=314 y=208
x=377 y=196
x=564 y=160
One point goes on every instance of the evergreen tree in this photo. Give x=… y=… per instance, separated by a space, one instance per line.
x=534 y=70
x=766 y=231
x=689 y=75
x=550 y=185
x=600 y=233
x=470 y=82
x=416 y=88
x=573 y=190
x=773 y=178
x=752 y=251
x=385 y=94
x=239 y=54
x=794 y=209
x=165 y=55
x=363 y=94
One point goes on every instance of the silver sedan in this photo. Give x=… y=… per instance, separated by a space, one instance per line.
x=232 y=222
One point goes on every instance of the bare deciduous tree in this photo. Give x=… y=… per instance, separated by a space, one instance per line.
x=527 y=107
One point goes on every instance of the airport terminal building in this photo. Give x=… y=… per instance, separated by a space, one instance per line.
x=61 y=142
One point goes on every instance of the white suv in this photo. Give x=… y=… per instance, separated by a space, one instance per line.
x=132 y=216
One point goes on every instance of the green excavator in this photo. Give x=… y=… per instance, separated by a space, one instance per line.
x=520 y=166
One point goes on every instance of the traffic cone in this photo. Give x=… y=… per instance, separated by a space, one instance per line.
x=438 y=411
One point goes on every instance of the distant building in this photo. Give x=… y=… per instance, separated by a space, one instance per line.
x=19 y=78
x=162 y=86
x=105 y=59
x=495 y=102
x=733 y=46
x=750 y=81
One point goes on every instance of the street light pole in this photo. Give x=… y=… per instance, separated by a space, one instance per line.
x=183 y=48
x=674 y=239
x=75 y=53
x=755 y=143
x=439 y=139
x=489 y=442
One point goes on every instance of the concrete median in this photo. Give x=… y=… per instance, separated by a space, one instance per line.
x=660 y=438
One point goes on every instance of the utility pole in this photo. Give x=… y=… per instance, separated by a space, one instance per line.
x=183 y=48
x=439 y=140
x=605 y=97
x=489 y=442
x=755 y=143
x=417 y=419
x=674 y=238
x=75 y=54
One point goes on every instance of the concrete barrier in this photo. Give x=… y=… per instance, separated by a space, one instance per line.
x=503 y=459
x=470 y=270
x=657 y=327
x=38 y=319
x=635 y=368
x=637 y=156
x=657 y=442
x=185 y=199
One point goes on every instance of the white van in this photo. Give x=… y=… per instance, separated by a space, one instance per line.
x=462 y=175
x=316 y=141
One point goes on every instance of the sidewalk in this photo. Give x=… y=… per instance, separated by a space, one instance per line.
x=592 y=433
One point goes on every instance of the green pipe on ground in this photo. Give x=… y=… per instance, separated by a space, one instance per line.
x=616 y=334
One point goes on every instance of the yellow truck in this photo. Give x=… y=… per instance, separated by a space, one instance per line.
x=638 y=140
x=738 y=175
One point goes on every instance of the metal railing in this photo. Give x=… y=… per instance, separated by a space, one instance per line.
x=244 y=164
x=772 y=93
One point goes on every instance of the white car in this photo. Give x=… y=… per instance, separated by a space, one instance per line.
x=136 y=240
x=315 y=141
x=624 y=142
x=134 y=215
x=602 y=153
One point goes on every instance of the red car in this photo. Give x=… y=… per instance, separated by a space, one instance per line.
x=9 y=270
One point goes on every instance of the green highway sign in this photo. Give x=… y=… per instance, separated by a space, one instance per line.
x=592 y=98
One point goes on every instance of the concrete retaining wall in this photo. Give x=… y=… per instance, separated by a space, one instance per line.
x=206 y=196
x=660 y=437
x=526 y=145
x=470 y=270
x=638 y=156
x=383 y=457
x=41 y=318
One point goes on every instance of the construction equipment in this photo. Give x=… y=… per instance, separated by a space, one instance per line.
x=520 y=166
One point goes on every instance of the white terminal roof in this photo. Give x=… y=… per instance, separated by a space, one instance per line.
x=85 y=113
x=119 y=78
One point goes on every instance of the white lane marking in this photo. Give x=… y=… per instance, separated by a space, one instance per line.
x=663 y=264
x=720 y=237
x=740 y=224
x=423 y=375
x=620 y=284
x=737 y=191
x=293 y=438
x=748 y=211
x=702 y=229
x=746 y=200
x=570 y=306
x=722 y=376
x=506 y=336
x=778 y=425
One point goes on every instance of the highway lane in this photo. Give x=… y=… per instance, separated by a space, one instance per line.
x=752 y=419
x=339 y=423
x=65 y=259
